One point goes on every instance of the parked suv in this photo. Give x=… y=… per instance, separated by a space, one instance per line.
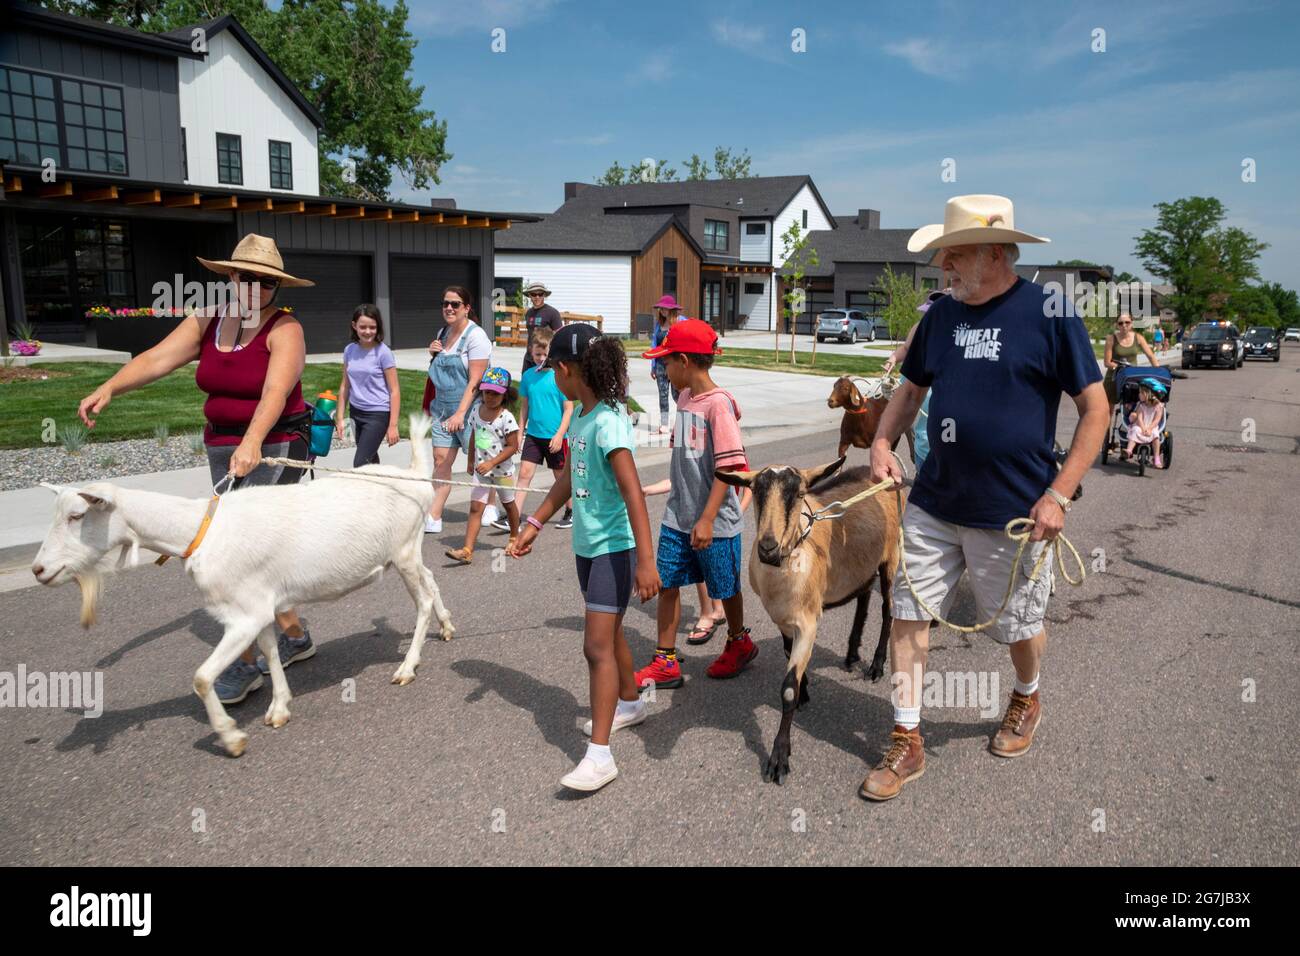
x=848 y=325
x=1214 y=343
x=1262 y=342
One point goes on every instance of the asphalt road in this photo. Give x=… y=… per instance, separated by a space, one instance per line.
x=1143 y=683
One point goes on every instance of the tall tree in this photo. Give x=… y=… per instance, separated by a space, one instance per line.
x=797 y=256
x=350 y=58
x=729 y=166
x=1204 y=262
x=902 y=299
x=696 y=168
x=1285 y=302
x=1252 y=305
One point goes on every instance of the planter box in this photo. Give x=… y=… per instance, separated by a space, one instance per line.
x=132 y=334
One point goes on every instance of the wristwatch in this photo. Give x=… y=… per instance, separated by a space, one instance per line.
x=1059 y=498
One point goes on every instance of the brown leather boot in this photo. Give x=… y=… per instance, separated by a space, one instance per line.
x=904 y=761
x=1017 y=731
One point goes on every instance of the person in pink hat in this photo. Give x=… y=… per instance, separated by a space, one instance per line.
x=667 y=312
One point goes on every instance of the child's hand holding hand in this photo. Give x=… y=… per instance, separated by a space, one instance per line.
x=483 y=468
x=702 y=535
x=524 y=543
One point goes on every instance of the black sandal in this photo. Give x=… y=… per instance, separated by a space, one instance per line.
x=702 y=635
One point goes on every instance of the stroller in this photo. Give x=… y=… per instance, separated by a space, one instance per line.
x=1128 y=381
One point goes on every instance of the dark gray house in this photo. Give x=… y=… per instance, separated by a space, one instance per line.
x=126 y=154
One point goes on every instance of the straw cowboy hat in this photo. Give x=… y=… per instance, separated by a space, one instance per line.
x=537 y=287
x=972 y=220
x=256 y=254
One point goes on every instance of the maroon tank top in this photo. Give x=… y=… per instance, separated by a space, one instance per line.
x=234 y=380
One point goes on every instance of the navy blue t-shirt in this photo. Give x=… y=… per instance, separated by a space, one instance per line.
x=996 y=372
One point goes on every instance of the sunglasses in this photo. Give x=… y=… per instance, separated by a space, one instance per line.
x=448 y=304
x=249 y=278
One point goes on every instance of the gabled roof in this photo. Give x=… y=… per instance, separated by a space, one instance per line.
x=851 y=244
x=228 y=22
x=761 y=197
x=95 y=31
x=591 y=231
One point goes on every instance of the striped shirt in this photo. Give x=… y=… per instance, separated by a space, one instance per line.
x=706 y=435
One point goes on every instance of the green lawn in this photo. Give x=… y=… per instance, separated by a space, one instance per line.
x=174 y=401
x=833 y=364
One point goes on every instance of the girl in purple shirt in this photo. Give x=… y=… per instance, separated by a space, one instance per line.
x=369 y=386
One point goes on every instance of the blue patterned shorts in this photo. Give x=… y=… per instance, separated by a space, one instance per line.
x=718 y=565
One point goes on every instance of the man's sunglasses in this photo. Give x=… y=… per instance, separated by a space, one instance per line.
x=448 y=304
x=249 y=278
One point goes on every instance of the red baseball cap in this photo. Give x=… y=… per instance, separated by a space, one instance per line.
x=692 y=336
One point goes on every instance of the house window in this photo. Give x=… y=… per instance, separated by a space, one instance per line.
x=281 y=165
x=185 y=157
x=71 y=264
x=712 y=302
x=755 y=229
x=670 y=277
x=805 y=218
x=93 y=133
x=929 y=285
x=230 y=161
x=753 y=288
x=715 y=235
x=870 y=303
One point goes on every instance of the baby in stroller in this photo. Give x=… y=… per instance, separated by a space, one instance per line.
x=1146 y=420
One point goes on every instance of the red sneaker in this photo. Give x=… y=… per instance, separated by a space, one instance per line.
x=735 y=657
x=661 y=672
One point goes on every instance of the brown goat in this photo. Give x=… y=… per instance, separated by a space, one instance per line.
x=861 y=417
x=800 y=567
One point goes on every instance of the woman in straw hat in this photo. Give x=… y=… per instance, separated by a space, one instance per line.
x=251 y=357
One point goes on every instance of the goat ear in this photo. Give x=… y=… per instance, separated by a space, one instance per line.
x=99 y=496
x=740 y=479
x=812 y=476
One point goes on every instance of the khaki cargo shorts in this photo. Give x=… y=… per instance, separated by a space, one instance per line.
x=936 y=552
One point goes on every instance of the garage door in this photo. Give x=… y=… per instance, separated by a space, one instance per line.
x=325 y=310
x=416 y=284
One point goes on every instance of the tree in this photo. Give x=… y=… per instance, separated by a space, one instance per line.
x=902 y=299
x=696 y=168
x=1252 y=305
x=797 y=257
x=1285 y=302
x=1204 y=262
x=352 y=61
x=728 y=166
x=644 y=171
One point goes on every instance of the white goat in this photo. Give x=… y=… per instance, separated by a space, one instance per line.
x=268 y=549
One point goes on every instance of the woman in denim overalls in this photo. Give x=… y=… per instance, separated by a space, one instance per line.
x=456 y=388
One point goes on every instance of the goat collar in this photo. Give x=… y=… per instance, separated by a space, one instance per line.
x=198 y=537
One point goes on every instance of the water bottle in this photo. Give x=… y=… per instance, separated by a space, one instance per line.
x=322 y=422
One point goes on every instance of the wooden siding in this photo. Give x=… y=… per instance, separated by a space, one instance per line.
x=648 y=274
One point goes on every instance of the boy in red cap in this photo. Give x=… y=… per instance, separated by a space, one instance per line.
x=700 y=536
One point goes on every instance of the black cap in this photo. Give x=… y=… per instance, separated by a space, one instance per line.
x=570 y=343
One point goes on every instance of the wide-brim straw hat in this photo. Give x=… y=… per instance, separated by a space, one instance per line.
x=537 y=287
x=256 y=254
x=972 y=220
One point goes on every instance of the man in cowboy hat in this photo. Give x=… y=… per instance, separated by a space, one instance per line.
x=538 y=316
x=1000 y=356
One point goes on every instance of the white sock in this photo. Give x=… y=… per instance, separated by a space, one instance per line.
x=599 y=753
x=909 y=718
x=1026 y=689
x=627 y=708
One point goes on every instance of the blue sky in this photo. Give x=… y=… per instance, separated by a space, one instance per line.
x=1084 y=142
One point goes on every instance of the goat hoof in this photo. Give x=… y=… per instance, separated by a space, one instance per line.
x=236 y=743
x=276 y=718
x=778 y=765
x=401 y=679
x=850 y=660
x=447 y=632
x=875 y=671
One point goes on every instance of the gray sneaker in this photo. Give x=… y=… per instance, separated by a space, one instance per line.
x=502 y=523
x=566 y=520
x=291 y=650
x=236 y=682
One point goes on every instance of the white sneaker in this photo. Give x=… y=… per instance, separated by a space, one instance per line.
x=621 y=720
x=589 y=775
x=491 y=515
x=432 y=525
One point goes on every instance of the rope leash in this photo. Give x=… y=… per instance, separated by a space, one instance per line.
x=1017 y=529
x=486 y=483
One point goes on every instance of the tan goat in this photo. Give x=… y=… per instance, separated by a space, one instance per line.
x=800 y=567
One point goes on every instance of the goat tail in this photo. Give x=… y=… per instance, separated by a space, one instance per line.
x=421 y=449
x=90 y=588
